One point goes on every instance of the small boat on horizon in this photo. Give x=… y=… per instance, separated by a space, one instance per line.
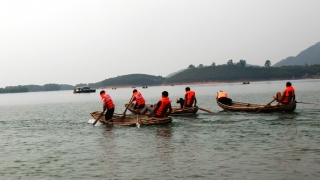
x=85 y=89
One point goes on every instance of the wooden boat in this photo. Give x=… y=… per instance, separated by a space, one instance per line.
x=131 y=120
x=239 y=106
x=85 y=89
x=176 y=110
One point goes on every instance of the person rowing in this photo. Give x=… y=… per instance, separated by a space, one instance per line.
x=189 y=99
x=223 y=98
x=287 y=96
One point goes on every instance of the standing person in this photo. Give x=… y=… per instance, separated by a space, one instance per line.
x=107 y=104
x=223 y=98
x=140 y=102
x=162 y=108
x=287 y=96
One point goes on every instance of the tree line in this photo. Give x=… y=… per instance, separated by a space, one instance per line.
x=35 y=88
x=227 y=72
x=222 y=73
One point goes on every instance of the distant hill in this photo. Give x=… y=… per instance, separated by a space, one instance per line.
x=129 y=80
x=174 y=73
x=309 y=56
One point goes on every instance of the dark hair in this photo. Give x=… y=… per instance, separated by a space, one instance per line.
x=187 y=89
x=288 y=84
x=165 y=94
x=135 y=90
x=101 y=92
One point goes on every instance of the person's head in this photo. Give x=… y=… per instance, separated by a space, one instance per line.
x=288 y=84
x=165 y=94
x=135 y=90
x=102 y=92
x=187 y=89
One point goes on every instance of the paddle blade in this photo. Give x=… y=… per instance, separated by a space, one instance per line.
x=205 y=110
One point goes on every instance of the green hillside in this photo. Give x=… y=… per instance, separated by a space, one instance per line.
x=227 y=73
x=130 y=80
x=309 y=56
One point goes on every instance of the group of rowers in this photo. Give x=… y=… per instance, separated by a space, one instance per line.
x=162 y=109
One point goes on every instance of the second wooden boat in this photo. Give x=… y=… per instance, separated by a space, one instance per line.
x=240 y=106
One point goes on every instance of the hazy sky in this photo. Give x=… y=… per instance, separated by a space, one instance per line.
x=86 y=41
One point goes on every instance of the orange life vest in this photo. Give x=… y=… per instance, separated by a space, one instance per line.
x=287 y=98
x=106 y=98
x=165 y=101
x=222 y=94
x=190 y=96
x=138 y=97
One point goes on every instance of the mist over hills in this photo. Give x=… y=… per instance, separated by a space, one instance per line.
x=308 y=56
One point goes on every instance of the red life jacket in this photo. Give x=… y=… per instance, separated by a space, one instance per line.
x=162 y=110
x=222 y=94
x=287 y=98
x=138 y=97
x=190 y=96
x=108 y=100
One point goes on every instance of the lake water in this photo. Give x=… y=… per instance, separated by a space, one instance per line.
x=46 y=135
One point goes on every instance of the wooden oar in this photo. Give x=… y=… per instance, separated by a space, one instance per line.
x=264 y=106
x=137 y=123
x=98 y=118
x=124 y=113
x=307 y=103
x=205 y=110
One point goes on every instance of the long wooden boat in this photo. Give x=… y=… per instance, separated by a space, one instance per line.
x=239 y=106
x=176 y=110
x=131 y=120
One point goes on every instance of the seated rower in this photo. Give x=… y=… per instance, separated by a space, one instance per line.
x=161 y=109
x=223 y=98
x=189 y=99
x=287 y=95
x=140 y=101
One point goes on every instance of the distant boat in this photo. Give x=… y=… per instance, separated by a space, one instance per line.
x=246 y=82
x=145 y=87
x=114 y=88
x=85 y=89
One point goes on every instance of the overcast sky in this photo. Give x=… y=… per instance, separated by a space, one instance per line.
x=87 y=41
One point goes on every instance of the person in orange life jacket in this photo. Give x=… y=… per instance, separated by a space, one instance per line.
x=107 y=104
x=287 y=96
x=223 y=98
x=140 y=102
x=189 y=99
x=162 y=108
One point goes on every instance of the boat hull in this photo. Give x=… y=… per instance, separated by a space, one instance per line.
x=248 y=107
x=176 y=110
x=131 y=120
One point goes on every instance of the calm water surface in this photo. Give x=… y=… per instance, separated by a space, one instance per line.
x=46 y=135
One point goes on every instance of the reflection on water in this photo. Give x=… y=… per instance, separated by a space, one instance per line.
x=47 y=136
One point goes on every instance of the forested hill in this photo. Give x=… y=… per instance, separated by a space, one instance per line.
x=309 y=56
x=130 y=80
x=35 y=88
x=225 y=73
